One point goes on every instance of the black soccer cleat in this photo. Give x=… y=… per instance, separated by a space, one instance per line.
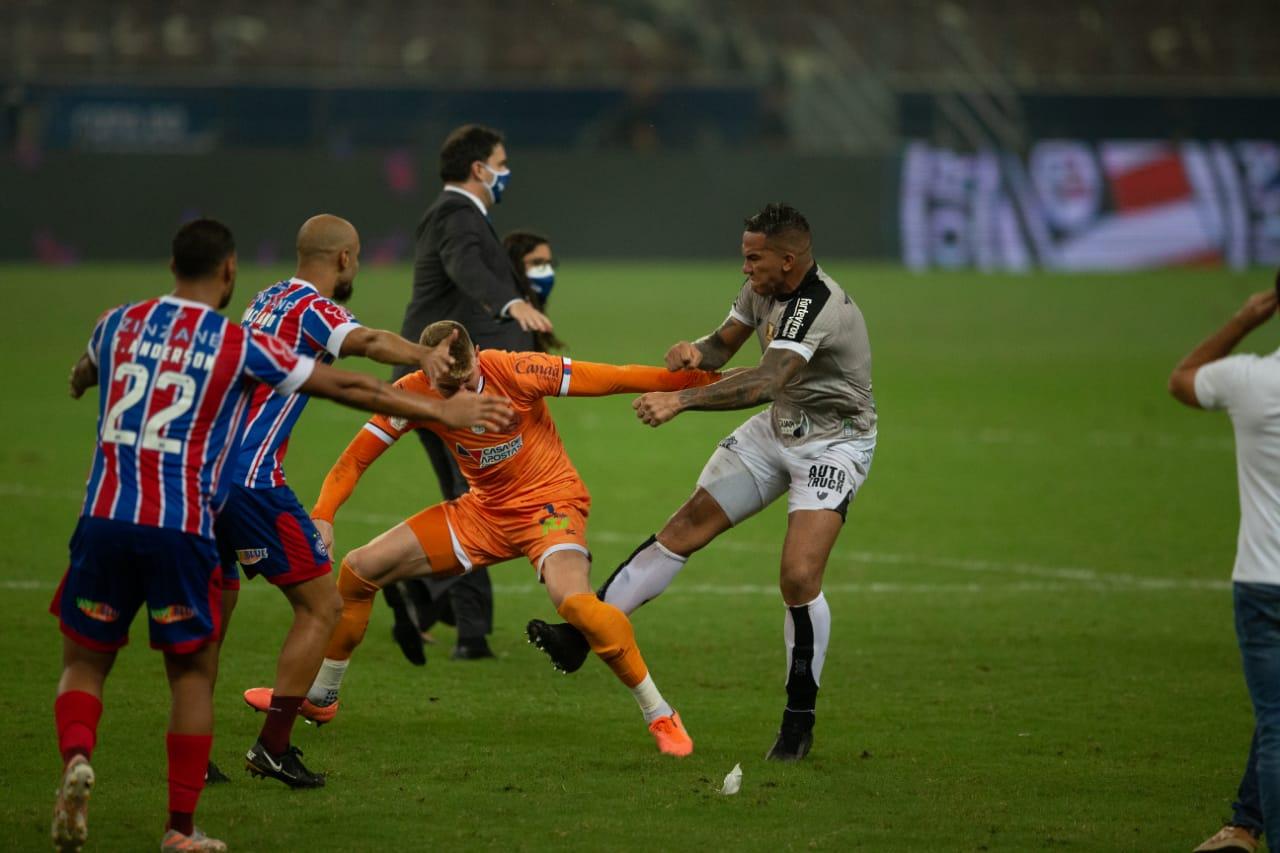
x=287 y=767
x=562 y=642
x=214 y=776
x=791 y=745
x=406 y=635
x=795 y=737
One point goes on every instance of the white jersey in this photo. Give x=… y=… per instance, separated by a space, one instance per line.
x=830 y=398
x=1248 y=387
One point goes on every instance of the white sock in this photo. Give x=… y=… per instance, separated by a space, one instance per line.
x=652 y=705
x=324 y=690
x=643 y=576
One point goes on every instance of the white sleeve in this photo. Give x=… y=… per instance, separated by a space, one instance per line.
x=334 y=345
x=1220 y=383
x=802 y=350
x=300 y=373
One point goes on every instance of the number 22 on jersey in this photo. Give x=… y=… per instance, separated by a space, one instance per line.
x=137 y=377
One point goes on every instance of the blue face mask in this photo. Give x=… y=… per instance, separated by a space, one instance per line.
x=542 y=278
x=499 y=183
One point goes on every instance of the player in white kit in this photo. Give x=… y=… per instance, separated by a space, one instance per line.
x=814 y=444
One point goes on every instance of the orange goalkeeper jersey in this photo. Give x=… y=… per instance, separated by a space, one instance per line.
x=525 y=465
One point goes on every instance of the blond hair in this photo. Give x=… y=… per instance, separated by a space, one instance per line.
x=462 y=349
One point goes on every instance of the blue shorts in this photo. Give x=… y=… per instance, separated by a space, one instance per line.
x=268 y=533
x=117 y=565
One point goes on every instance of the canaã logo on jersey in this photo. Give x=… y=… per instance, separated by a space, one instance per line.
x=172 y=613
x=538 y=367
x=486 y=456
x=97 y=610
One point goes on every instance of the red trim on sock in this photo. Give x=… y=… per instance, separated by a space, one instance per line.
x=279 y=725
x=76 y=715
x=188 y=760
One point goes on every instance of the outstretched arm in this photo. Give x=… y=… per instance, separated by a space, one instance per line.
x=593 y=379
x=742 y=390
x=712 y=351
x=389 y=348
x=1256 y=310
x=341 y=480
x=84 y=375
x=364 y=392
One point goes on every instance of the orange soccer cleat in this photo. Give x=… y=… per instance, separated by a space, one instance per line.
x=670 y=734
x=259 y=699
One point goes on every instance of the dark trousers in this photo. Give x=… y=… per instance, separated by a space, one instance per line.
x=465 y=601
x=1257 y=608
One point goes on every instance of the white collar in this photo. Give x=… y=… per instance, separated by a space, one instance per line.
x=450 y=188
x=303 y=282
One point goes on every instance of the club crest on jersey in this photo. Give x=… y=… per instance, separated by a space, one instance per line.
x=486 y=456
x=97 y=610
x=172 y=613
x=249 y=556
x=769 y=331
x=317 y=543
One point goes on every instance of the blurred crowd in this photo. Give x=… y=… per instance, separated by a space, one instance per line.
x=1078 y=44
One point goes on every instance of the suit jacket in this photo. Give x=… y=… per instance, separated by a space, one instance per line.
x=461 y=272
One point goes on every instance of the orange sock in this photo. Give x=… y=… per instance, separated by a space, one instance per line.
x=357 y=603
x=609 y=632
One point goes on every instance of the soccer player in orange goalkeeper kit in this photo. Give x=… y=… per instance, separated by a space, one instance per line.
x=526 y=499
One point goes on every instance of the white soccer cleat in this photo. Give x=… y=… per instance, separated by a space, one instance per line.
x=71 y=810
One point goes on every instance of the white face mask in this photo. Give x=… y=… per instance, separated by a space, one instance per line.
x=541 y=277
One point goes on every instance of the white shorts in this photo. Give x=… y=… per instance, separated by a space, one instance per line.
x=751 y=469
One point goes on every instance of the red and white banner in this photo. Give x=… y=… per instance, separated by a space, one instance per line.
x=1112 y=205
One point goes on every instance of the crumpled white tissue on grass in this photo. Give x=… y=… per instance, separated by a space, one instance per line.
x=733 y=781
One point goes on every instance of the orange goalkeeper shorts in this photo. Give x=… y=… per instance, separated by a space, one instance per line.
x=463 y=534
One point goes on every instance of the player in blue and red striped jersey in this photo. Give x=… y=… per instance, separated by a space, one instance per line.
x=262 y=525
x=176 y=378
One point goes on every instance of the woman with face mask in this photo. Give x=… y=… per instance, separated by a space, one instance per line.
x=535 y=266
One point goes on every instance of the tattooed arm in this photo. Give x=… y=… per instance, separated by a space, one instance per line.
x=712 y=351
x=743 y=390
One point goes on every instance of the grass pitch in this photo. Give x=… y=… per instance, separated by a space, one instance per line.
x=1032 y=644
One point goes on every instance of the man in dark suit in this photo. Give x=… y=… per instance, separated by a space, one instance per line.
x=462 y=272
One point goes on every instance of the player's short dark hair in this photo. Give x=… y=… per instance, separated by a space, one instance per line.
x=464 y=146
x=200 y=247
x=777 y=218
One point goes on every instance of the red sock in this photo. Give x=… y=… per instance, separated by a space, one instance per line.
x=76 y=714
x=188 y=760
x=279 y=724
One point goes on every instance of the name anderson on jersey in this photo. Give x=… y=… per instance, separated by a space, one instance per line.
x=167 y=353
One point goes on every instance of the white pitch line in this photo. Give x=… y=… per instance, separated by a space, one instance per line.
x=1073 y=574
